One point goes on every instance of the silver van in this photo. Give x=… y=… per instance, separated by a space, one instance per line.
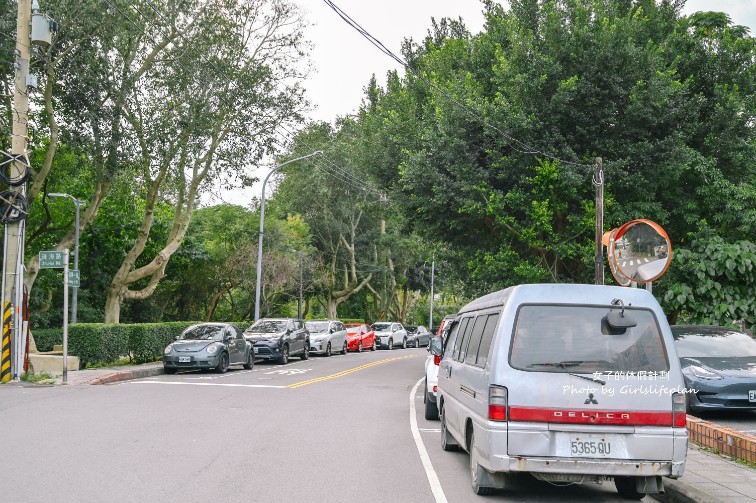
x=570 y=383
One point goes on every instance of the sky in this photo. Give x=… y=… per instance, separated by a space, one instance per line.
x=343 y=60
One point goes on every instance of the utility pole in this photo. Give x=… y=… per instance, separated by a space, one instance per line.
x=13 y=253
x=433 y=276
x=598 y=182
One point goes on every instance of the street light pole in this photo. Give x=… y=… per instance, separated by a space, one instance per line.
x=301 y=277
x=75 y=297
x=262 y=220
x=433 y=275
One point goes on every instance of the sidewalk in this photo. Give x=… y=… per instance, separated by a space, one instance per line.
x=708 y=478
x=110 y=374
x=711 y=478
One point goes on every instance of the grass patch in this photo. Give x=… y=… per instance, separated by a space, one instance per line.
x=118 y=363
x=41 y=378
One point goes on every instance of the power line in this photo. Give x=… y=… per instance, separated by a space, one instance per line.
x=523 y=147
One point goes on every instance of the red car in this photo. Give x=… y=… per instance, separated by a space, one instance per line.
x=359 y=337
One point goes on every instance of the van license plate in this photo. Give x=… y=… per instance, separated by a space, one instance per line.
x=185 y=359
x=590 y=447
x=752 y=395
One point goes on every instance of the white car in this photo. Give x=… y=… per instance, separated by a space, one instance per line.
x=327 y=337
x=389 y=334
x=431 y=369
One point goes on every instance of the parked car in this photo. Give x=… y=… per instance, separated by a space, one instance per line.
x=327 y=336
x=208 y=346
x=389 y=334
x=571 y=383
x=419 y=336
x=431 y=368
x=359 y=337
x=278 y=339
x=720 y=364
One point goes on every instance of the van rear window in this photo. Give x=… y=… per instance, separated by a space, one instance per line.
x=558 y=338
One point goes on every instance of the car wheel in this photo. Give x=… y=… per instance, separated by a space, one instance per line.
x=476 y=471
x=328 y=350
x=170 y=370
x=306 y=353
x=431 y=409
x=284 y=355
x=391 y=344
x=404 y=343
x=250 y=360
x=447 y=441
x=222 y=364
x=344 y=349
x=626 y=488
x=359 y=347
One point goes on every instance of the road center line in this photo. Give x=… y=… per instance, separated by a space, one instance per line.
x=345 y=372
x=435 y=484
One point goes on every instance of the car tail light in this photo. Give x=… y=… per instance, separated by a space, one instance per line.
x=437 y=359
x=435 y=389
x=678 y=410
x=497 y=403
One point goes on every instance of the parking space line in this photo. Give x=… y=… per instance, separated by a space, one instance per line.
x=345 y=372
x=435 y=484
x=230 y=385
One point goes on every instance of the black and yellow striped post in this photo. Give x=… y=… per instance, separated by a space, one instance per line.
x=5 y=374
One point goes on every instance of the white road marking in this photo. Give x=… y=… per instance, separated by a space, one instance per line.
x=645 y=260
x=208 y=384
x=289 y=372
x=438 y=492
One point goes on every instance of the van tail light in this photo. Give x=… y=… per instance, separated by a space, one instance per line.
x=497 y=403
x=678 y=410
x=437 y=359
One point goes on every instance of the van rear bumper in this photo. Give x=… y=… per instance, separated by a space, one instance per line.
x=606 y=467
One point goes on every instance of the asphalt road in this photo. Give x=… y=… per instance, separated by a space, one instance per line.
x=336 y=429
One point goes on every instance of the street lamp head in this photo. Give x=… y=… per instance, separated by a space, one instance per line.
x=57 y=194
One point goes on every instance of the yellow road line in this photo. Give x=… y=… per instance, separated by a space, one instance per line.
x=346 y=372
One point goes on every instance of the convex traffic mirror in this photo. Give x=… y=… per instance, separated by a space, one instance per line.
x=639 y=251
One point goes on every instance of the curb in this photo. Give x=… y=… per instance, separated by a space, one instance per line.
x=677 y=491
x=127 y=375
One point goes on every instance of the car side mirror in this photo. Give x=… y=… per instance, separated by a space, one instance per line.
x=176 y=338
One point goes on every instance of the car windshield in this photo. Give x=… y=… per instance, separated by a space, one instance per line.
x=267 y=327
x=203 y=333
x=317 y=327
x=718 y=344
x=554 y=338
x=381 y=327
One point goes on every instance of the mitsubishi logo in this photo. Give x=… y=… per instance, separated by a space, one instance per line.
x=590 y=399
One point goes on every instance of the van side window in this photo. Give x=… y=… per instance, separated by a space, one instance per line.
x=459 y=335
x=465 y=340
x=477 y=333
x=485 y=342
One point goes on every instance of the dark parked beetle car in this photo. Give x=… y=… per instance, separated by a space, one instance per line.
x=279 y=338
x=720 y=364
x=206 y=346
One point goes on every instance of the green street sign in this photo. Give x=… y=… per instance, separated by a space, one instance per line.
x=52 y=259
x=74 y=278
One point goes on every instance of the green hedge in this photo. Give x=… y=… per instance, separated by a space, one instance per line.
x=101 y=343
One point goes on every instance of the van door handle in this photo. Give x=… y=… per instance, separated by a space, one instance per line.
x=448 y=371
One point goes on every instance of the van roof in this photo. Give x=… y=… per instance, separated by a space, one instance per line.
x=563 y=293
